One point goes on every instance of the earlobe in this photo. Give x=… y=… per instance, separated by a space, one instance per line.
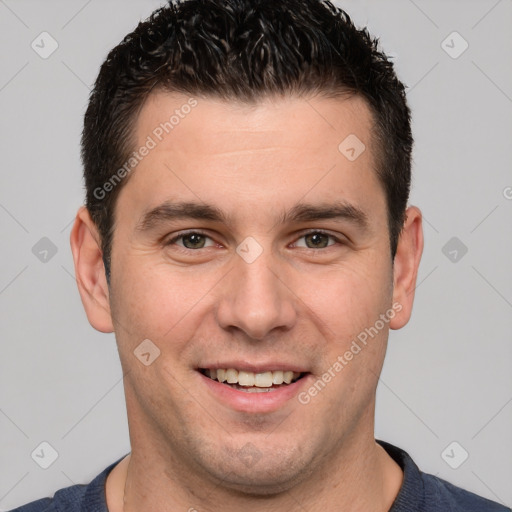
x=405 y=266
x=90 y=271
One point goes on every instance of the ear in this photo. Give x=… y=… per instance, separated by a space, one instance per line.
x=405 y=266
x=90 y=271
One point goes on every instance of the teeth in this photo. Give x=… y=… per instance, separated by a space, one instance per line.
x=277 y=377
x=263 y=380
x=252 y=380
x=246 y=378
x=287 y=377
x=232 y=376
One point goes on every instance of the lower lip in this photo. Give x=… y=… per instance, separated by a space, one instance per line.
x=244 y=401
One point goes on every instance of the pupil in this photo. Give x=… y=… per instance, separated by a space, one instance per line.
x=196 y=241
x=318 y=239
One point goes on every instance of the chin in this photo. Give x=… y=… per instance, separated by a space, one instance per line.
x=258 y=469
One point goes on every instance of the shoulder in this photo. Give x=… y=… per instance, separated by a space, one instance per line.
x=44 y=505
x=69 y=499
x=422 y=492
x=77 y=498
x=455 y=499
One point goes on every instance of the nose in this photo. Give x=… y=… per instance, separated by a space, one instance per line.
x=256 y=299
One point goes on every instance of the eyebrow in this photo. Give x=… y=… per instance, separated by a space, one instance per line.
x=169 y=211
x=339 y=211
x=302 y=212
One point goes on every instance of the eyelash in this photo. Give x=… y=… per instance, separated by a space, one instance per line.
x=202 y=233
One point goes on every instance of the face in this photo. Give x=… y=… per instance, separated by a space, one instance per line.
x=246 y=240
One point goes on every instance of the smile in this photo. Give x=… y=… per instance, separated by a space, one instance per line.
x=251 y=382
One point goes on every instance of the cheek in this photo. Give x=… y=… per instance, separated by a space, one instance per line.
x=151 y=301
x=348 y=306
x=347 y=299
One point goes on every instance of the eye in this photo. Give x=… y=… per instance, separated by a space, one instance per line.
x=191 y=240
x=316 y=240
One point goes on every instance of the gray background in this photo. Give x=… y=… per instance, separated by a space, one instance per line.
x=447 y=375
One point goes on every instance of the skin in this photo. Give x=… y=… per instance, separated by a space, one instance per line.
x=296 y=302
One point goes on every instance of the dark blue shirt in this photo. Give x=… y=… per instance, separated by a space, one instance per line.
x=420 y=492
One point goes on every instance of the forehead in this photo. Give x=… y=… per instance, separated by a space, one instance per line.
x=291 y=119
x=242 y=156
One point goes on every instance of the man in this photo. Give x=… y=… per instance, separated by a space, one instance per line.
x=246 y=235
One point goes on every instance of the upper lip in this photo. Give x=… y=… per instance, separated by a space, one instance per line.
x=271 y=366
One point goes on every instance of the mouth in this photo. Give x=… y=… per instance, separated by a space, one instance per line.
x=251 y=382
